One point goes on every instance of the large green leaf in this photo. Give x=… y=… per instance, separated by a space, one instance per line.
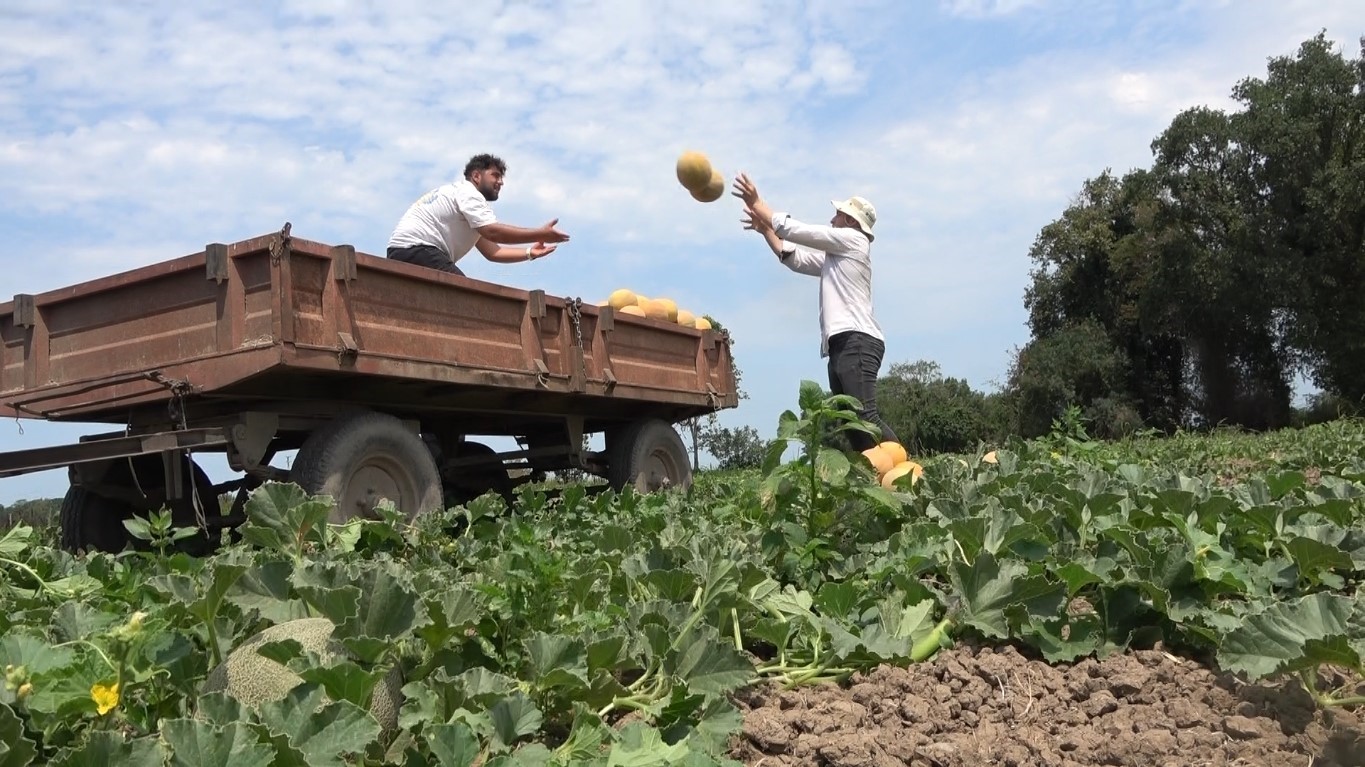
x=15 y=749
x=453 y=745
x=102 y=748
x=989 y=588
x=200 y=744
x=1276 y=640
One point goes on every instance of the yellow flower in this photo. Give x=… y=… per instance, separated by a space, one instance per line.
x=105 y=697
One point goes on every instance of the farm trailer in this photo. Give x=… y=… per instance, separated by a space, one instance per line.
x=376 y=371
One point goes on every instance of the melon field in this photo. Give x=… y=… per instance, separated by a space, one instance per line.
x=1189 y=600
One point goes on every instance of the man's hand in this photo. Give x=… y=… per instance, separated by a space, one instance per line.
x=552 y=234
x=745 y=190
x=540 y=250
x=754 y=222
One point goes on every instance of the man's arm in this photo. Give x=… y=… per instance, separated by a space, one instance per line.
x=506 y=234
x=800 y=260
x=498 y=254
x=840 y=240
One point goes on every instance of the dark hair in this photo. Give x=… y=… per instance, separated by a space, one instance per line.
x=483 y=162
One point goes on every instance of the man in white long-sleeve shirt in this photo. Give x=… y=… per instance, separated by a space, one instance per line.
x=840 y=254
x=447 y=222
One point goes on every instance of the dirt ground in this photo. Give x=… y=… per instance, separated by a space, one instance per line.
x=970 y=707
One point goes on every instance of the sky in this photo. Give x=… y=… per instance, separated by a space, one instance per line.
x=136 y=132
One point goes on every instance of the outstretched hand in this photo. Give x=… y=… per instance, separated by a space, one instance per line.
x=754 y=222
x=540 y=250
x=746 y=190
x=552 y=234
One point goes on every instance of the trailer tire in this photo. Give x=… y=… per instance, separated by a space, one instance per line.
x=360 y=458
x=464 y=485
x=648 y=455
x=94 y=522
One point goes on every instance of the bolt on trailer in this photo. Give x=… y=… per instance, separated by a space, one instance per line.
x=377 y=372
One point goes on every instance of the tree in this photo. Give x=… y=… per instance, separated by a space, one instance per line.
x=1075 y=366
x=932 y=413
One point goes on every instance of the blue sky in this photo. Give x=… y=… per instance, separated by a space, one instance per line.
x=136 y=132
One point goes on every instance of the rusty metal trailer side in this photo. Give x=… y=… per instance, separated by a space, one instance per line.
x=278 y=319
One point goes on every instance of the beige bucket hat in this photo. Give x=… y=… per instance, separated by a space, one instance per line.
x=860 y=210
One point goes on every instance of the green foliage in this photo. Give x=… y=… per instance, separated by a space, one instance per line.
x=931 y=413
x=604 y=629
x=1074 y=367
x=1230 y=266
x=738 y=448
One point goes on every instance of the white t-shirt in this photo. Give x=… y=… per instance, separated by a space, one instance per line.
x=447 y=217
x=842 y=258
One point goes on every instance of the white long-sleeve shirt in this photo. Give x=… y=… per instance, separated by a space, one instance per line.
x=842 y=259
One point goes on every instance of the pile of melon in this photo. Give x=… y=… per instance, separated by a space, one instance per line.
x=703 y=182
x=891 y=462
x=666 y=309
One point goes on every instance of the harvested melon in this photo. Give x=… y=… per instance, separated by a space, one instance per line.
x=669 y=308
x=253 y=679
x=900 y=470
x=633 y=310
x=896 y=450
x=694 y=170
x=685 y=318
x=658 y=308
x=880 y=459
x=990 y=458
x=712 y=190
x=619 y=299
x=703 y=323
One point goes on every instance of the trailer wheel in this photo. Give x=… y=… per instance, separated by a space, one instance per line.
x=94 y=522
x=361 y=458
x=464 y=484
x=648 y=455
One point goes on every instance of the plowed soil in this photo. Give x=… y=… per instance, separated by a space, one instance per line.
x=981 y=706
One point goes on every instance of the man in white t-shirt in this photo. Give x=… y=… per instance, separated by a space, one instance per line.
x=841 y=256
x=444 y=224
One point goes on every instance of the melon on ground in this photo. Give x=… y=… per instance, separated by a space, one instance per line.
x=694 y=170
x=896 y=450
x=712 y=190
x=880 y=459
x=252 y=679
x=900 y=470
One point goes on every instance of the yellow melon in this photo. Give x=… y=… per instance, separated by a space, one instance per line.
x=896 y=450
x=712 y=190
x=694 y=170
x=703 y=323
x=880 y=459
x=634 y=310
x=990 y=458
x=640 y=300
x=670 y=308
x=657 y=308
x=900 y=470
x=685 y=318
x=619 y=299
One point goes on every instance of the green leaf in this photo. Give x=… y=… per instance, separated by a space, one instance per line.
x=323 y=731
x=513 y=717
x=556 y=661
x=200 y=744
x=268 y=589
x=710 y=666
x=15 y=749
x=832 y=466
x=811 y=396
x=989 y=588
x=640 y=745
x=1275 y=640
x=220 y=708
x=453 y=745
x=102 y=748
x=281 y=518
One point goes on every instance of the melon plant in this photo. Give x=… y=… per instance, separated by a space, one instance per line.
x=253 y=679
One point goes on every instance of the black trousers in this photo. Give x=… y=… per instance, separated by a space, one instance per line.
x=425 y=255
x=854 y=361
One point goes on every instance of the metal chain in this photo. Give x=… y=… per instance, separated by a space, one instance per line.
x=575 y=319
x=176 y=408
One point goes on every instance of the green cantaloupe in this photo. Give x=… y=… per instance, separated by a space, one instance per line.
x=253 y=679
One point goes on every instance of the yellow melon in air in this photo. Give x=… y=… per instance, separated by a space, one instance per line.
x=694 y=170
x=896 y=450
x=633 y=310
x=712 y=190
x=685 y=318
x=900 y=470
x=703 y=323
x=620 y=299
x=880 y=459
